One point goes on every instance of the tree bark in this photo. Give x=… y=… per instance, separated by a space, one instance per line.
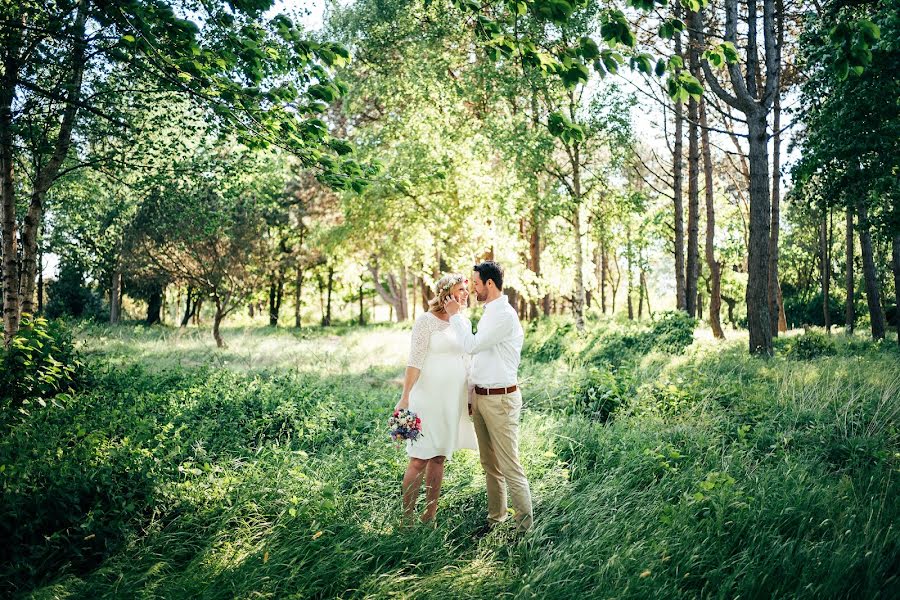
x=604 y=271
x=189 y=307
x=850 y=308
x=276 y=293
x=758 y=318
x=298 y=297
x=326 y=318
x=362 y=314
x=692 y=272
x=40 y=275
x=578 y=300
x=825 y=270
x=535 y=251
x=776 y=306
x=754 y=100
x=115 y=293
x=154 y=306
x=873 y=296
x=715 y=267
x=392 y=296
x=628 y=270
x=680 y=295
x=9 y=235
x=46 y=174
x=217 y=322
x=895 y=254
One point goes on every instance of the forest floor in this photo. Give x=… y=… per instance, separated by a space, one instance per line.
x=264 y=471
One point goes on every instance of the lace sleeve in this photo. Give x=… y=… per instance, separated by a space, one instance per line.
x=421 y=335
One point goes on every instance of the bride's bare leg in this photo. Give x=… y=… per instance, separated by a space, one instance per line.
x=412 y=481
x=434 y=476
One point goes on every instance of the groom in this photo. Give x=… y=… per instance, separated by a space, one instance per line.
x=496 y=350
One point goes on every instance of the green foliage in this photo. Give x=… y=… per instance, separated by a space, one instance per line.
x=672 y=331
x=751 y=477
x=598 y=393
x=811 y=344
x=69 y=296
x=40 y=365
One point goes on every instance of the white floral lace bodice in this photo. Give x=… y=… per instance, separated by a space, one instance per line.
x=425 y=326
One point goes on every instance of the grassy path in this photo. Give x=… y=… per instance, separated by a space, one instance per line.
x=263 y=471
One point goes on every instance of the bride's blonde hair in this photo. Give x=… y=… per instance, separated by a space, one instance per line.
x=442 y=289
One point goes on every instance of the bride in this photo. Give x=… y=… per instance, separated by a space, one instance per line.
x=435 y=388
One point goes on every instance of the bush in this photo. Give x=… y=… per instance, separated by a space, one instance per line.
x=673 y=332
x=545 y=341
x=809 y=345
x=40 y=363
x=598 y=393
x=69 y=296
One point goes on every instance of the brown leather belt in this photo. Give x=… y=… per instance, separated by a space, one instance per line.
x=495 y=391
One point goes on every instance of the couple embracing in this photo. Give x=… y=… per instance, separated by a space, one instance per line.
x=467 y=403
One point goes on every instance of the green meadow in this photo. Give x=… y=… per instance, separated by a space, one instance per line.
x=263 y=470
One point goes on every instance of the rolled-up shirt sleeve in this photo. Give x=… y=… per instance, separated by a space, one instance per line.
x=492 y=330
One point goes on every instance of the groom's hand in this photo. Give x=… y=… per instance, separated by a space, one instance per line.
x=451 y=306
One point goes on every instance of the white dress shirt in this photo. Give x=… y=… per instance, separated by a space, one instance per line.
x=497 y=347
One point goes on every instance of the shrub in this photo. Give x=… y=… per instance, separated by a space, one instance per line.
x=598 y=393
x=809 y=345
x=545 y=341
x=40 y=363
x=672 y=332
x=69 y=296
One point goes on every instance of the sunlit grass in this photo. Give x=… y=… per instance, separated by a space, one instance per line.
x=263 y=471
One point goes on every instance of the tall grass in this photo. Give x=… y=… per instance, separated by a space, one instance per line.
x=717 y=475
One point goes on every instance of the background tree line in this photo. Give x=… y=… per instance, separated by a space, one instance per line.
x=617 y=159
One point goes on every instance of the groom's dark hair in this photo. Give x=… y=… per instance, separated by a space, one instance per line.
x=489 y=270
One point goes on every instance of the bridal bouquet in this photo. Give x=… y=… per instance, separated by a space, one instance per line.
x=405 y=425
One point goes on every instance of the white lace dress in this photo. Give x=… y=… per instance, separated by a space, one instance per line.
x=440 y=395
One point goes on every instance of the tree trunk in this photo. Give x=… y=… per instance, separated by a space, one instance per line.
x=825 y=270
x=392 y=296
x=715 y=267
x=776 y=303
x=326 y=318
x=758 y=318
x=154 y=305
x=188 y=309
x=402 y=292
x=578 y=300
x=427 y=293
x=45 y=176
x=298 y=297
x=693 y=251
x=40 y=286
x=362 y=314
x=895 y=254
x=9 y=235
x=646 y=292
x=680 y=298
x=276 y=293
x=535 y=250
x=604 y=272
x=217 y=322
x=115 y=292
x=628 y=270
x=873 y=296
x=850 y=308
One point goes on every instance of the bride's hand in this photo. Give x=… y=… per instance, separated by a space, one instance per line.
x=403 y=404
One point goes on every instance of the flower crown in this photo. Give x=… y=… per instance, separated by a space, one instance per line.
x=451 y=280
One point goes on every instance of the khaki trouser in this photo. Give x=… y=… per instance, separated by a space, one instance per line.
x=496 y=421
